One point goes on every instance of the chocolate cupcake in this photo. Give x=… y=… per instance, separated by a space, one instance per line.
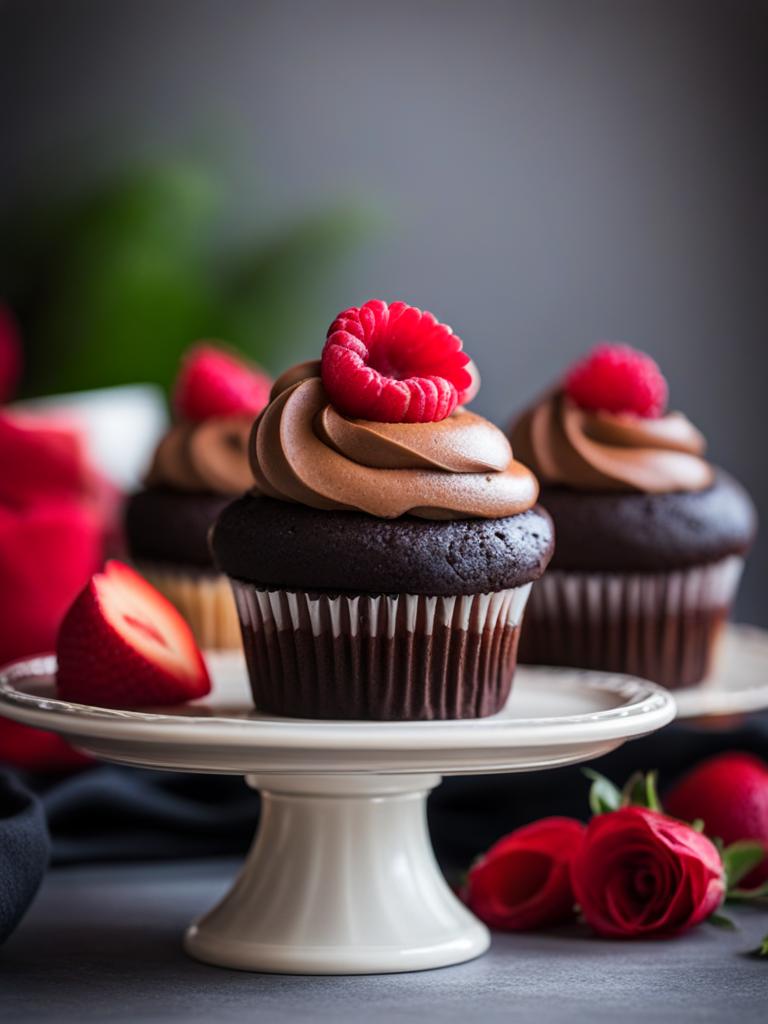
x=198 y=467
x=651 y=538
x=382 y=563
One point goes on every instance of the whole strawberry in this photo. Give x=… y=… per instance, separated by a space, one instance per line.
x=122 y=644
x=729 y=793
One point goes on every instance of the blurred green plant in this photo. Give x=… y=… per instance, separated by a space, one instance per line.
x=113 y=287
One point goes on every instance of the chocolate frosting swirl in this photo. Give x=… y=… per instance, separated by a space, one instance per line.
x=602 y=451
x=209 y=456
x=304 y=451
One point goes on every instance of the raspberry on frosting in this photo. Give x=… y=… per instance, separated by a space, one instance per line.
x=618 y=379
x=215 y=383
x=394 y=363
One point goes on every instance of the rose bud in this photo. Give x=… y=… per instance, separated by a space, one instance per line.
x=639 y=873
x=523 y=881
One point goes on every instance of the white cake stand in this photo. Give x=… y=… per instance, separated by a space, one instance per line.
x=341 y=878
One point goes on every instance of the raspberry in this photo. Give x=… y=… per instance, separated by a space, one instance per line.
x=618 y=379
x=394 y=364
x=213 y=383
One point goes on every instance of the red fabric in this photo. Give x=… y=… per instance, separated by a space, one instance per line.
x=47 y=554
x=523 y=881
x=35 y=750
x=10 y=354
x=640 y=874
x=52 y=531
x=41 y=460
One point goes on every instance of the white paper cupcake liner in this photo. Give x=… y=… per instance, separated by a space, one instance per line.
x=660 y=626
x=204 y=599
x=379 y=657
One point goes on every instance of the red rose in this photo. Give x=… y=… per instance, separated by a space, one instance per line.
x=639 y=873
x=523 y=881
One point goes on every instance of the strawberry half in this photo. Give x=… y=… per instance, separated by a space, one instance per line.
x=122 y=644
x=213 y=383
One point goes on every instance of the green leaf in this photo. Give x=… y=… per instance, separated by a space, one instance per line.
x=762 y=949
x=697 y=825
x=633 y=792
x=603 y=795
x=652 y=793
x=640 y=791
x=740 y=858
x=131 y=284
x=756 y=895
x=721 y=921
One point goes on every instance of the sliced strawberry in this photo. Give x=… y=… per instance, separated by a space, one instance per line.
x=122 y=644
x=394 y=364
x=213 y=382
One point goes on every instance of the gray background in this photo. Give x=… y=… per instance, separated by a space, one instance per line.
x=553 y=172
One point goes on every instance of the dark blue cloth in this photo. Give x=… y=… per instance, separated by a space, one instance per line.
x=24 y=851
x=109 y=813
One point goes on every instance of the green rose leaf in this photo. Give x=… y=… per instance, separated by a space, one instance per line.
x=739 y=859
x=722 y=921
x=641 y=791
x=757 y=895
x=603 y=795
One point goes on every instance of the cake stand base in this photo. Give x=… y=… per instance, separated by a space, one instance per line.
x=341 y=879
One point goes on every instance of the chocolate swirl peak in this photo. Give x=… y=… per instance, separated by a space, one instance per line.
x=303 y=450
x=208 y=456
x=567 y=445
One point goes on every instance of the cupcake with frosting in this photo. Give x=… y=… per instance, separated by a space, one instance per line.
x=198 y=467
x=651 y=537
x=382 y=563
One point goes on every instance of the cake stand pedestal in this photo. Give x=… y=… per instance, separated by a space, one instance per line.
x=341 y=878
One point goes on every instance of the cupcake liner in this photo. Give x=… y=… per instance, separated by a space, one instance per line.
x=204 y=599
x=401 y=657
x=660 y=626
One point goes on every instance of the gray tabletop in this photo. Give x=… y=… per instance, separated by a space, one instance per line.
x=103 y=943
